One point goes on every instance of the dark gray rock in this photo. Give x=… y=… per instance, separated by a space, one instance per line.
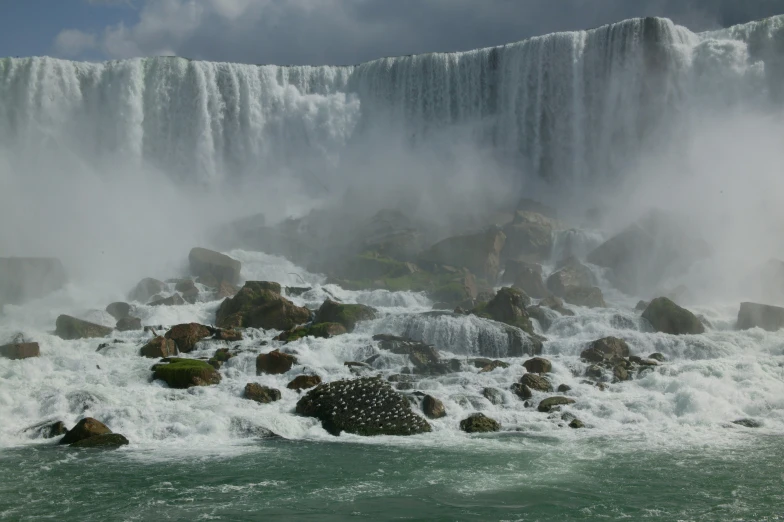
x=667 y=317
x=754 y=315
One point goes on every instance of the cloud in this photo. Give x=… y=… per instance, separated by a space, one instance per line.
x=352 y=31
x=73 y=43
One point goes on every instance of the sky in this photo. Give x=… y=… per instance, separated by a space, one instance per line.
x=322 y=31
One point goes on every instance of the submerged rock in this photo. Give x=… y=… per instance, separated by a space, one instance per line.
x=576 y=424
x=367 y=406
x=657 y=357
x=521 y=390
x=84 y=429
x=549 y=403
x=433 y=408
x=70 y=328
x=767 y=317
x=538 y=365
x=748 y=423
x=303 y=382
x=667 y=317
x=158 y=348
x=347 y=315
x=119 y=310
x=606 y=350
x=479 y=423
x=47 y=429
x=259 y=305
x=206 y=263
x=146 y=289
x=184 y=373
x=262 y=394
x=185 y=336
x=274 y=363
x=20 y=350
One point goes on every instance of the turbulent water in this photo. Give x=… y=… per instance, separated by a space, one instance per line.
x=574 y=109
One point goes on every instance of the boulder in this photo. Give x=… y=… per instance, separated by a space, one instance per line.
x=274 y=362
x=172 y=300
x=346 y=314
x=424 y=357
x=226 y=290
x=590 y=297
x=184 y=373
x=659 y=357
x=304 y=382
x=70 y=328
x=26 y=278
x=748 y=423
x=119 y=310
x=205 y=263
x=231 y=335
x=259 y=305
x=665 y=316
x=185 y=336
x=543 y=315
x=549 y=403
x=47 y=429
x=367 y=406
x=479 y=423
x=529 y=236
x=433 y=408
x=221 y=356
x=20 y=350
x=187 y=288
x=767 y=317
x=606 y=350
x=555 y=303
x=521 y=390
x=107 y=440
x=563 y=388
x=322 y=330
x=146 y=289
x=209 y=281
x=508 y=307
x=576 y=424
x=536 y=382
x=480 y=253
x=262 y=394
x=621 y=372
x=538 y=365
x=492 y=365
x=642 y=305
x=127 y=324
x=529 y=279
x=571 y=274
x=494 y=395
x=84 y=429
x=158 y=348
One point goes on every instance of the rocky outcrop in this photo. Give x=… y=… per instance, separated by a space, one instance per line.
x=259 y=305
x=85 y=429
x=184 y=373
x=529 y=236
x=538 y=365
x=667 y=317
x=590 y=297
x=20 y=350
x=480 y=253
x=262 y=394
x=574 y=283
x=433 y=408
x=70 y=328
x=508 y=307
x=187 y=288
x=158 y=348
x=274 y=362
x=119 y=310
x=304 y=382
x=347 y=315
x=322 y=330
x=226 y=290
x=146 y=289
x=549 y=403
x=127 y=324
x=367 y=406
x=606 y=350
x=767 y=317
x=185 y=336
x=208 y=263
x=479 y=423
x=526 y=277
x=536 y=382
x=26 y=278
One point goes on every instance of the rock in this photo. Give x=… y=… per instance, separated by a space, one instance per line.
x=508 y=307
x=748 y=423
x=563 y=388
x=172 y=300
x=480 y=253
x=595 y=371
x=544 y=316
x=303 y=382
x=657 y=357
x=590 y=297
x=107 y=440
x=529 y=236
x=555 y=303
x=127 y=324
x=479 y=423
x=538 y=365
x=322 y=330
x=184 y=373
x=606 y=350
x=259 y=305
x=188 y=289
x=576 y=424
x=620 y=373
x=221 y=356
x=158 y=348
x=20 y=350
x=146 y=289
x=549 y=403
x=665 y=316
x=642 y=305
x=47 y=429
x=70 y=328
x=226 y=290
x=209 y=281
x=494 y=395
x=366 y=406
x=274 y=363
x=119 y=310
x=572 y=274
x=263 y=394
x=26 y=278
x=492 y=365
x=84 y=429
x=205 y=263
x=522 y=391
x=231 y=335
x=433 y=408
x=526 y=277
x=767 y=317
x=536 y=382
x=185 y=336
x=424 y=357
x=346 y=314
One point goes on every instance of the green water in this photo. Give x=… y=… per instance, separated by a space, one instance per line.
x=511 y=478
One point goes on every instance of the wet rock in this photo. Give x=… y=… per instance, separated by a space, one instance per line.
x=221 y=356
x=70 y=328
x=187 y=288
x=667 y=317
x=127 y=324
x=20 y=351
x=529 y=236
x=159 y=347
x=526 y=277
x=346 y=314
x=479 y=423
x=209 y=281
x=119 y=310
x=642 y=305
x=590 y=297
x=606 y=350
x=262 y=394
x=544 y=316
x=508 y=307
x=259 y=305
x=297 y=291
x=576 y=424
x=536 y=382
x=172 y=300
x=367 y=406
x=521 y=390
x=146 y=289
x=186 y=335
x=547 y=405
x=748 y=423
x=184 y=373
x=26 y=278
x=107 y=440
x=538 y=365
x=621 y=373
x=767 y=317
x=595 y=371
x=230 y=335
x=84 y=429
x=206 y=263
x=226 y=290
x=494 y=395
x=322 y=330
x=563 y=388
x=304 y=382
x=274 y=363
x=572 y=274
x=433 y=408
x=480 y=253
x=492 y=365
x=46 y=430
x=556 y=304
x=657 y=357
x=424 y=357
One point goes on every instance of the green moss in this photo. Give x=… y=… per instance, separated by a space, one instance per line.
x=184 y=373
x=442 y=287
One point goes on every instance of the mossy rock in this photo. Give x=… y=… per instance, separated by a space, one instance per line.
x=347 y=315
x=184 y=373
x=107 y=440
x=259 y=305
x=70 y=328
x=322 y=330
x=667 y=317
x=479 y=423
